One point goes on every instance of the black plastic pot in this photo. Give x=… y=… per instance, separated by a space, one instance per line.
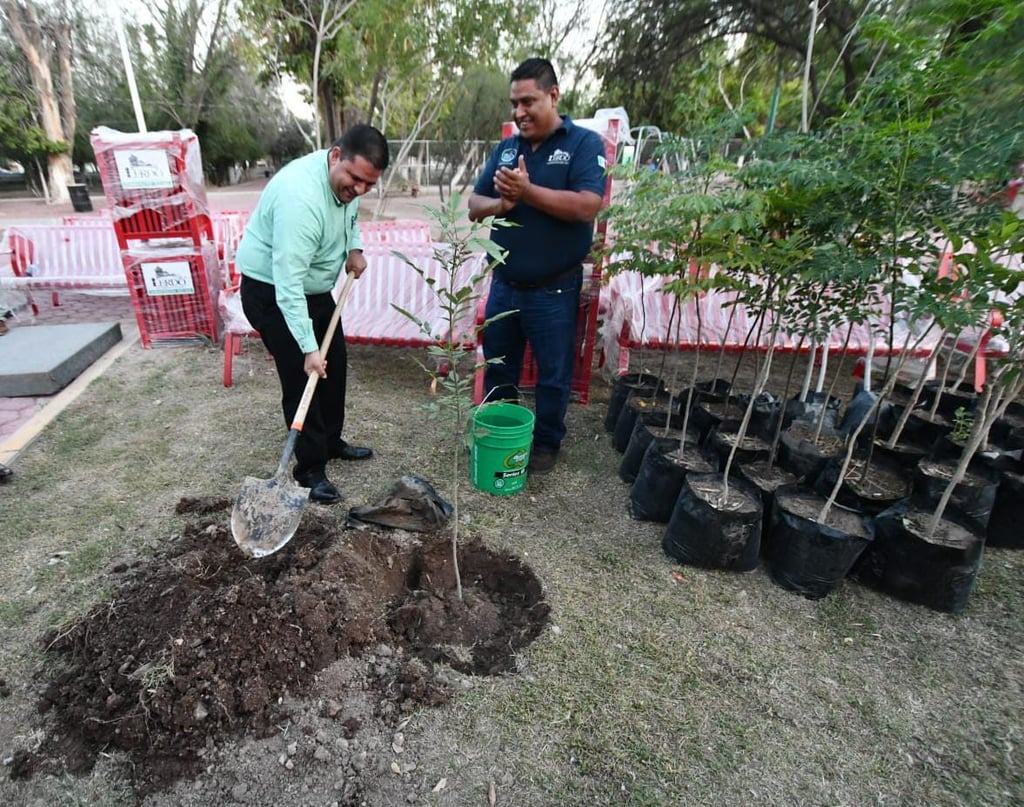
x=661 y=474
x=1014 y=439
x=858 y=409
x=810 y=411
x=766 y=480
x=922 y=430
x=901 y=561
x=645 y=383
x=634 y=406
x=715 y=389
x=951 y=399
x=884 y=484
x=904 y=454
x=704 y=532
x=989 y=462
x=903 y=393
x=972 y=500
x=706 y=415
x=1006 y=523
x=1008 y=431
x=808 y=557
x=763 y=415
x=720 y=441
x=804 y=458
x=646 y=425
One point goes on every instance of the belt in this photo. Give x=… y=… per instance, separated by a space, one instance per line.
x=543 y=284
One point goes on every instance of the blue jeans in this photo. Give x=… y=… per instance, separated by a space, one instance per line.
x=547 y=320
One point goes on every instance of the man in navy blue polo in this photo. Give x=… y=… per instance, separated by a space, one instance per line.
x=549 y=180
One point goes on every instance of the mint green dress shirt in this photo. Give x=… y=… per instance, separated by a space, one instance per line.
x=298 y=239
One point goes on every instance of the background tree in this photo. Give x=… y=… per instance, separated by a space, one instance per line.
x=571 y=33
x=657 y=47
x=187 y=60
x=305 y=33
x=194 y=70
x=101 y=90
x=478 y=107
x=390 y=63
x=44 y=35
x=21 y=138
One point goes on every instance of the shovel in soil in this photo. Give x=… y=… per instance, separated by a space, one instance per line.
x=267 y=511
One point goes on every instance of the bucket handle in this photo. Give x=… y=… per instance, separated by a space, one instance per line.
x=469 y=421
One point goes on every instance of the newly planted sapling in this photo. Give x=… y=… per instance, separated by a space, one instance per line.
x=963 y=421
x=464 y=256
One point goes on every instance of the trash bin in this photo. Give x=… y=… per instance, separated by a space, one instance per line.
x=80 y=198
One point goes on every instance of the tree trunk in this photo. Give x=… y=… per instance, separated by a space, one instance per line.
x=332 y=104
x=27 y=30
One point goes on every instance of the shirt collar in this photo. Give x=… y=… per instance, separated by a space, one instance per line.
x=562 y=128
x=327 y=170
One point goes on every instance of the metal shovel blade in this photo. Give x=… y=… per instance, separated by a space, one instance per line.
x=267 y=513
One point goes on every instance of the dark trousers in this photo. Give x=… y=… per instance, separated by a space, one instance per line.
x=546 y=319
x=326 y=415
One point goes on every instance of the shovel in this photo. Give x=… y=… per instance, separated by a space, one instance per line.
x=267 y=511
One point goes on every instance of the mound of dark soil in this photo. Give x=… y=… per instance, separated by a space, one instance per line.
x=201 y=642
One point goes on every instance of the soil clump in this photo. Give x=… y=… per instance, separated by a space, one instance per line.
x=201 y=643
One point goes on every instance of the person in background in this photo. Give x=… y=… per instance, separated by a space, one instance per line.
x=5 y=474
x=549 y=180
x=300 y=237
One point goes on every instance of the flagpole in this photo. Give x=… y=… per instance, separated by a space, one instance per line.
x=140 y=120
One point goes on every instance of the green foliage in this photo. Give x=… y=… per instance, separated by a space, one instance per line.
x=457 y=297
x=657 y=44
x=21 y=137
x=963 y=422
x=391 y=61
x=479 y=106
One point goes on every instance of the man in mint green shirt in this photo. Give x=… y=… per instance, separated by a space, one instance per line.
x=300 y=237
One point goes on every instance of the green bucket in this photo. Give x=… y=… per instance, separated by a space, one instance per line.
x=499 y=447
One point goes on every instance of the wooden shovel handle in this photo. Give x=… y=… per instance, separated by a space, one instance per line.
x=307 y=393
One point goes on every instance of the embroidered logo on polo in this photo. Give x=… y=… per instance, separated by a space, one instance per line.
x=559 y=157
x=508 y=156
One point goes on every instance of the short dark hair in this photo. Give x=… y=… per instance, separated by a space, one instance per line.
x=540 y=70
x=363 y=140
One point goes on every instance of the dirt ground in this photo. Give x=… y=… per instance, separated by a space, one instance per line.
x=203 y=644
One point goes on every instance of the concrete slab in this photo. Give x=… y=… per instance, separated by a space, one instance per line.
x=43 y=359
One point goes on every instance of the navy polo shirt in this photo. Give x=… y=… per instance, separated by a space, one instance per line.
x=571 y=158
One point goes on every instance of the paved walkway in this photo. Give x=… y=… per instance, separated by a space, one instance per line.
x=22 y=418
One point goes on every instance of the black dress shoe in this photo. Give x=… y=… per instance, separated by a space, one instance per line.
x=343 y=451
x=321 y=489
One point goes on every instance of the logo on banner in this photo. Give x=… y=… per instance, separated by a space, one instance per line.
x=170 y=277
x=143 y=168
